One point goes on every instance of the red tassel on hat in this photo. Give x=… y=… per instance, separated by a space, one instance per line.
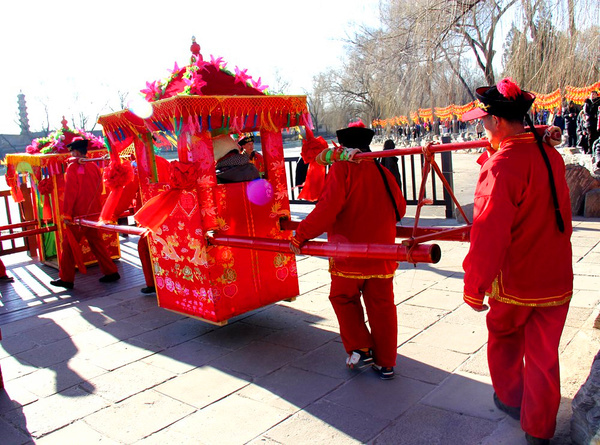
x=508 y=88
x=359 y=123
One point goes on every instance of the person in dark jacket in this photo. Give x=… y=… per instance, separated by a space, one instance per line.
x=582 y=133
x=570 y=114
x=391 y=163
x=590 y=111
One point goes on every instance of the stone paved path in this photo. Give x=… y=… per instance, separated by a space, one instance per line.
x=103 y=364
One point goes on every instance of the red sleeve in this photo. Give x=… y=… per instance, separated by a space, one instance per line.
x=330 y=203
x=497 y=195
x=71 y=187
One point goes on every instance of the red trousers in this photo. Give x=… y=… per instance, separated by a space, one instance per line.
x=378 y=296
x=66 y=270
x=144 y=254
x=2 y=269
x=523 y=360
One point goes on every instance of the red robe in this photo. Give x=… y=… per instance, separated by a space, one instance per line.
x=258 y=161
x=355 y=207
x=520 y=259
x=83 y=189
x=517 y=254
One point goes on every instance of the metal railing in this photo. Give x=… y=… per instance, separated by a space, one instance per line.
x=410 y=169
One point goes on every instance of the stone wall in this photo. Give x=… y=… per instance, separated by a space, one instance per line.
x=580 y=182
x=585 y=423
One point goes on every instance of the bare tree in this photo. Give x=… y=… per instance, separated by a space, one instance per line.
x=317 y=100
x=279 y=84
x=123 y=102
x=543 y=51
x=430 y=53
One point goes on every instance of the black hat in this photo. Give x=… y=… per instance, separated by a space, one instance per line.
x=246 y=140
x=355 y=136
x=505 y=100
x=81 y=145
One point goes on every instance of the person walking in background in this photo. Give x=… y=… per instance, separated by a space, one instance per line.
x=582 y=133
x=520 y=257
x=83 y=188
x=479 y=129
x=558 y=120
x=391 y=162
x=570 y=115
x=360 y=203
x=590 y=111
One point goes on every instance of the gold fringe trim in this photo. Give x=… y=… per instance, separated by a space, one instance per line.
x=519 y=303
x=505 y=297
x=357 y=275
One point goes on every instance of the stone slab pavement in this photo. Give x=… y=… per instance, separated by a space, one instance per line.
x=103 y=364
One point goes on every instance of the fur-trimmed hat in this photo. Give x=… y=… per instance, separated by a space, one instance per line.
x=79 y=144
x=505 y=100
x=355 y=136
x=246 y=140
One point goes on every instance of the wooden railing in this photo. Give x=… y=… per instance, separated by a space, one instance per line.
x=13 y=224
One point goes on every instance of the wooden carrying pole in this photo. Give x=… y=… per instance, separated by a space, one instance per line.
x=422 y=253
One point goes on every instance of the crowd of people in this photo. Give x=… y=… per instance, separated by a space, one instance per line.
x=580 y=126
x=417 y=132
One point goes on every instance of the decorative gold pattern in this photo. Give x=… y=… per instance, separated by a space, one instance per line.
x=499 y=293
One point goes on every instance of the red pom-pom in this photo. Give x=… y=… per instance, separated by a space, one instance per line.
x=359 y=123
x=118 y=174
x=45 y=186
x=508 y=88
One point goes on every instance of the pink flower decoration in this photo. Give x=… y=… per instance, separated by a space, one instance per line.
x=508 y=88
x=256 y=84
x=202 y=64
x=241 y=76
x=198 y=86
x=175 y=69
x=217 y=62
x=152 y=91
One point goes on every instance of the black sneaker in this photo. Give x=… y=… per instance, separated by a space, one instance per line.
x=61 y=283
x=536 y=440
x=359 y=359
x=110 y=278
x=148 y=290
x=6 y=279
x=513 y=412
x=385 y=373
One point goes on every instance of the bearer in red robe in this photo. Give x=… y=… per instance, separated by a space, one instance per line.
x=360 y=203
x=83 y=187
x=520 y=257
